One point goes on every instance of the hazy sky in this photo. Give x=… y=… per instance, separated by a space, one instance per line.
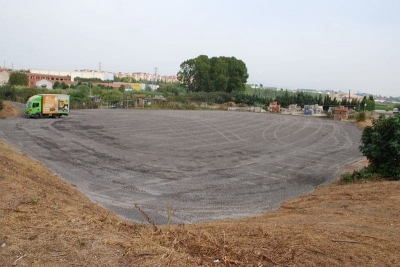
x=333 y=44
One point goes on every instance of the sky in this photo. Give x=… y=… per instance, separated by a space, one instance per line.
x=336 y=45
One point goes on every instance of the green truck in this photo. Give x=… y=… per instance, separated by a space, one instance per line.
x=47 y=105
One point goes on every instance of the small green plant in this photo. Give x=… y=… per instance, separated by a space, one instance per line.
x=351 y=116
x=170 y=212
x=346 y=177
x=80 y=241
x=363 y=175
x=361 y=116
x=1 y=104
x=34 y=200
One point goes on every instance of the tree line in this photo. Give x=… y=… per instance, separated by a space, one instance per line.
x=202 y=79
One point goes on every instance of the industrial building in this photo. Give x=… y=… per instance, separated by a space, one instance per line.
x=87 y=74
x=36 y=79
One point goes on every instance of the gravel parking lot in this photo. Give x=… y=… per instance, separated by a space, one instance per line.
x=193 y=165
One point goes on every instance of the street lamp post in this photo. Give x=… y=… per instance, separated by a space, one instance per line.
x=365 y=106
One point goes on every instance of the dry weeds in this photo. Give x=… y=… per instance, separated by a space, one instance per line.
x=9 y=110
x=45 y=221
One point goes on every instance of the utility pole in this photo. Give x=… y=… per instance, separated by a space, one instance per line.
x=155 y=77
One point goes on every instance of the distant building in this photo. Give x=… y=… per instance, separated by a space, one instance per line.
x=143 y=76
x=4 y=77
x=87 y=74
x=134 y=86
x=307 y=90
x=34 y=78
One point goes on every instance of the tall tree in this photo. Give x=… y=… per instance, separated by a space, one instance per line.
x=186 y=74
x=202 y=76
x=226 y=74
x=219 y=74
x=18 y=78
x=56 y=85
x=368 y=103
x=237 y=75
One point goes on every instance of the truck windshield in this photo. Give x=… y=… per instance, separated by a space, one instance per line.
x=29 y=104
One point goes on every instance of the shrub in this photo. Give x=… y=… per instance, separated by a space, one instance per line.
x=178 y=99
x=1 y=104
x=381 y=146
x=361 y=116
x=7 y=93
x=364 y=174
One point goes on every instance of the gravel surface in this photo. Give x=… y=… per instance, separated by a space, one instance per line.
x=192 y=165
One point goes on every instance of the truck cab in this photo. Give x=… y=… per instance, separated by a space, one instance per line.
x=33 y=107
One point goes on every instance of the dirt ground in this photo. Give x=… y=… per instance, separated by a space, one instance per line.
x=46 y=221
x=207 y=165
x=9 y=110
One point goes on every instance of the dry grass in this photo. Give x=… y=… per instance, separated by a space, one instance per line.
x=9 y=111
x=46 y=222
x=363 y=124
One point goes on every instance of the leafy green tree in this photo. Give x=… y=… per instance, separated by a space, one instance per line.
x=354 y=102
x=171 y=89
x=186 y=74
x=121 y=88
x=56 y=85
x=381 y=145
x=64 y=85
x=284 y=101
x=202 y=76
x=368 y=103
x=113 y=95
x=18 y=78
x=7 y=92
x=78 y=96
x=225 y=74
x=84 y=88
x=320 y=101
x=238 y=75
x=219 y=74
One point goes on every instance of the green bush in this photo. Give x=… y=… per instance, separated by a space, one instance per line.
x=381 y=146
x=1 y=104
x=364 y=174
x=7 y=93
